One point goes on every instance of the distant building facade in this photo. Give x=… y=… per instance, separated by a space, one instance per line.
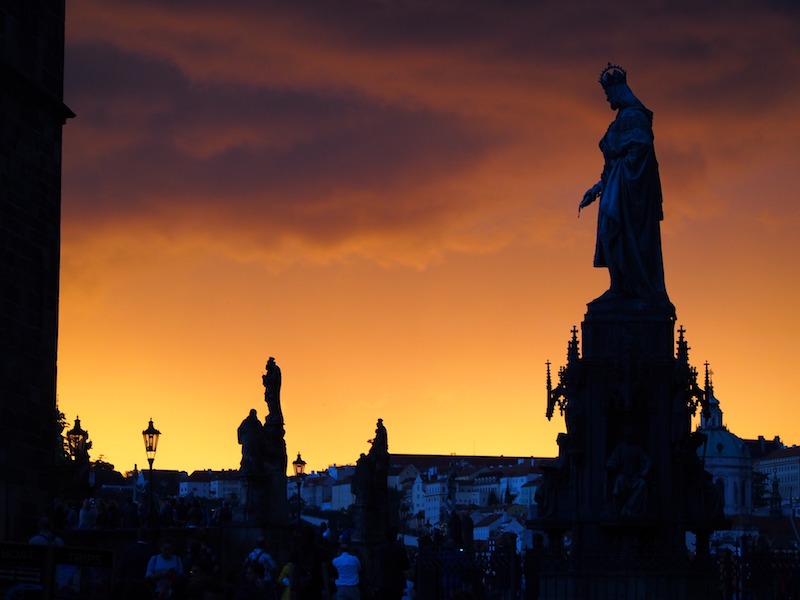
x=209 y=484
x=784 y=466
x=726 y=457
x=421 y=483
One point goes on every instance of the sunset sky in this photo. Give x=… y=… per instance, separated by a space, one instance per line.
x=383 y=196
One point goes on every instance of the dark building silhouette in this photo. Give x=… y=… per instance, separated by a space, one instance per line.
x=32 y=114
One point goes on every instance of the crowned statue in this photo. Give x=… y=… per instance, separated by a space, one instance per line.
x=629 y=195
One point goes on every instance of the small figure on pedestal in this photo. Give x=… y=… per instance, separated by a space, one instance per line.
x=272 y=391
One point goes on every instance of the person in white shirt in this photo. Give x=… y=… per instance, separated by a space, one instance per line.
x=348 y=568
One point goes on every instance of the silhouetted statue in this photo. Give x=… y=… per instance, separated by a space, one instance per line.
x=251 y=437
x=628 y=467
x=369 y=486
x=361 y=485
x=553 y=474
x=379 y=455
x=380 y=445
x=628 y=229
x=272 y=391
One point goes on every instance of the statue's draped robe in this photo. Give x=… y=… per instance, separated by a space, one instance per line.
x=628 y=229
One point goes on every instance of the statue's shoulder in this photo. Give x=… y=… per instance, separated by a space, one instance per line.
x=632 y=123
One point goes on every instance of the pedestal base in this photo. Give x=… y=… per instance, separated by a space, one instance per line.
x=264 y=501
x=654 y=578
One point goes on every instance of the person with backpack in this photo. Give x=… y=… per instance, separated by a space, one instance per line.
x=259 y=555
x=252 y=586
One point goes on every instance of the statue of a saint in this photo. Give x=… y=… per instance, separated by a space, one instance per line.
x=380 y=445
x=362 y=483
x=251 y=437
x=272 y=391
x=628 y=221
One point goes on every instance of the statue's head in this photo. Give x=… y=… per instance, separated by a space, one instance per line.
x=614 y=80
x=612 y=75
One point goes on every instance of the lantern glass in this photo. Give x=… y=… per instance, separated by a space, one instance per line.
x=299 y=466
x=76 y=438
x=150 y=436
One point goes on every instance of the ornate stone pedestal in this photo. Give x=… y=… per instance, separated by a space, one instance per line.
x=627 y=483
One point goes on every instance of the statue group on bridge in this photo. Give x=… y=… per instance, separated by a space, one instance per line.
x=263 y=448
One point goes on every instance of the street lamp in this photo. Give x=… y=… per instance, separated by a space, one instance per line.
x=299 y=473
x=79 y=444
x=76 y=438
x=150 y=436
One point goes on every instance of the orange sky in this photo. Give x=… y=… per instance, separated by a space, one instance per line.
x=383 y=196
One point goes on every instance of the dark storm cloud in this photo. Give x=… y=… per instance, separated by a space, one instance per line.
x=343 y=118
x=260 y=150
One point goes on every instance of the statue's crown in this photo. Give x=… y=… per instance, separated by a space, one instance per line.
x=612 y=75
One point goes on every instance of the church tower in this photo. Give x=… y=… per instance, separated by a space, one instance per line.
x=725 y=456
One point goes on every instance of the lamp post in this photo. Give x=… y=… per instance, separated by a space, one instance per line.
x=150 y=436
x=299 y=473
x=76 y=438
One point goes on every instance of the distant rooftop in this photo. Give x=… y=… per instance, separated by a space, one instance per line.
x=442 y=461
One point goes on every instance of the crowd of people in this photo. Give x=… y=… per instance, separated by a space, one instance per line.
x=100 y=513
x=316 y=568
x=178 y=558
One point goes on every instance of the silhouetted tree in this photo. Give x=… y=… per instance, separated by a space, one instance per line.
x=61 y=446
x=105 y=473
